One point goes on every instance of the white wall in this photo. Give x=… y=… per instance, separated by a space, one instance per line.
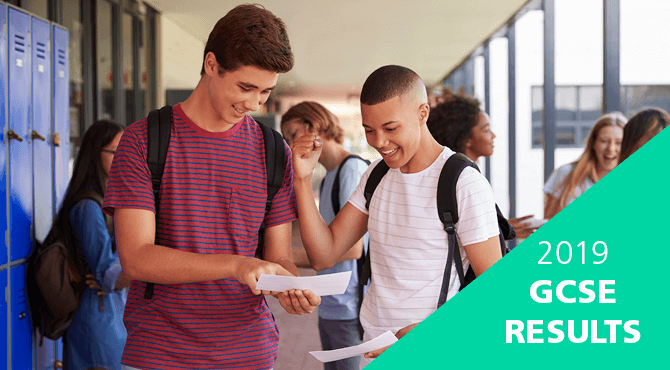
x=181 y=57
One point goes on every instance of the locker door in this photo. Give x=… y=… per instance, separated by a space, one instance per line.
x=21 y=336
x=20 y=171
x=61 y=113
x=3 y=142
x=41 y=127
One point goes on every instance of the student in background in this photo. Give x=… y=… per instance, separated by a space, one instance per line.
x=459 y=124
x=641 y=128
x=600 y=156
x=339 y=325
x=96 y=336
x=408 y=243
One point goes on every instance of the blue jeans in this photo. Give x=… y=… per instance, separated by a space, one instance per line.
x=336 y=334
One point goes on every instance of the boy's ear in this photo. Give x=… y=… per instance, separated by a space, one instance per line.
x=424 y=110
x=211 y=65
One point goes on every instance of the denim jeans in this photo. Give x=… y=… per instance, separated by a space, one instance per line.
x=336 y=334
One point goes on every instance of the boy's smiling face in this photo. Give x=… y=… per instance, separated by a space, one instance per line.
x=393 y=128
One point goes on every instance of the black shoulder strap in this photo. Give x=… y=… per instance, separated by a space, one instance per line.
x=275 y=162
x=447 y=209
x=159 y=125
x=375 y=178
x=370 y=186
x=335 y=193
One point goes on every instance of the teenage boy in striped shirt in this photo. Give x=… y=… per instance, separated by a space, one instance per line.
x=206 y=310
x=408 y=244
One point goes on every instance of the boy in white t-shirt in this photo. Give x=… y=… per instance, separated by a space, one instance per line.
x=408 y=244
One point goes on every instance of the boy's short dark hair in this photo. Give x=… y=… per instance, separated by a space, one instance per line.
x=451 y=122
x=250 y=35
x=388 y=82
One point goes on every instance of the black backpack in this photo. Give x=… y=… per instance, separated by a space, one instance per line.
x=448 y=212
x=54 y=286
x=159 y=126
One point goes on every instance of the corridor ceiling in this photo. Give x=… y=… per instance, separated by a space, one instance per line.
x=337 y=44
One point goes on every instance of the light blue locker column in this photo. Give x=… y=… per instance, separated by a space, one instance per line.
x=61 y=126
x=20 y=171
x=3 y=142
x=42 y=154
x=41 y=127
x=61 y=113
x=21 y=331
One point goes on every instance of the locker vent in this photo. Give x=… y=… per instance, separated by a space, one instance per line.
x=62 y=57
x=19 y=43
x=41 y=50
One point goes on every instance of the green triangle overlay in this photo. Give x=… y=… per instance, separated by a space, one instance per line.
x=628 y=211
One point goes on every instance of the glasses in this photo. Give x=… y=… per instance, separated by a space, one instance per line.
x=109 y=151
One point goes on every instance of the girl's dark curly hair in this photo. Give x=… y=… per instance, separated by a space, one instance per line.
x=451 y=122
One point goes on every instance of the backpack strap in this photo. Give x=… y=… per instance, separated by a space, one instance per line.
x=370 y=186
x=159 y=125
x=335 y=193
x=275 y=163
x=447 y=209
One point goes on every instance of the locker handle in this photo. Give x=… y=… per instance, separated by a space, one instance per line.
x=36 y=135
x=13 y=135
x=56 y=139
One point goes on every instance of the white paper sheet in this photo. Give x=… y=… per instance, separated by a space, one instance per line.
x=320 y=285
x=381 y=341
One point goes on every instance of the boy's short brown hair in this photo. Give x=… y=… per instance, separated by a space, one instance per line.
x=316 y=118
x=250 y=35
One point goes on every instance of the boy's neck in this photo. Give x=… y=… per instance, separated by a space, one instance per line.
x=198 y=108
x=332 y=154
x=429 y=150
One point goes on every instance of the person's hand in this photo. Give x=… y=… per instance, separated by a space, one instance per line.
x=298 y=302
x=90 y=281
x=249 y=270
x=306 y=152
x=521 y=227
x=401 y=333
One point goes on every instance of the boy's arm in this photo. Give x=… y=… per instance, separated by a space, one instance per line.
x=277 y=249
x=143 y=260
x=300 y=257
x=325 y=244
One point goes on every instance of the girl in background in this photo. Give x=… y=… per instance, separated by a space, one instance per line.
x=600 y=156
x=96 y=336
x=642 y=128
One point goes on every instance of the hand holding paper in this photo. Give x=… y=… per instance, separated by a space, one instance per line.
x=320 y=285
x=381 y=341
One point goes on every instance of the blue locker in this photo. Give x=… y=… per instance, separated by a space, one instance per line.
x=3 y=314
x=61 y=113
x=41 y=127
x=21 y=331
x=20 y=171
x=3 y=142
x=61 y=125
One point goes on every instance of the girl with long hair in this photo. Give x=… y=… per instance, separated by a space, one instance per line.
x=600 y=156
x=96 y=336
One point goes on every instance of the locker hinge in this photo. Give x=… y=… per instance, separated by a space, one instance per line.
x=7 y=238
x=7 y=294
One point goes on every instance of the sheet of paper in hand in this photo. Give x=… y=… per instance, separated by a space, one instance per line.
x=320 y=285
x=381 y=341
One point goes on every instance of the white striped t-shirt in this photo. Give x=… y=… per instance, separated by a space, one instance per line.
x=408 y=244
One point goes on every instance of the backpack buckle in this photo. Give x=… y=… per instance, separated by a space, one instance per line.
x=449 y=223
